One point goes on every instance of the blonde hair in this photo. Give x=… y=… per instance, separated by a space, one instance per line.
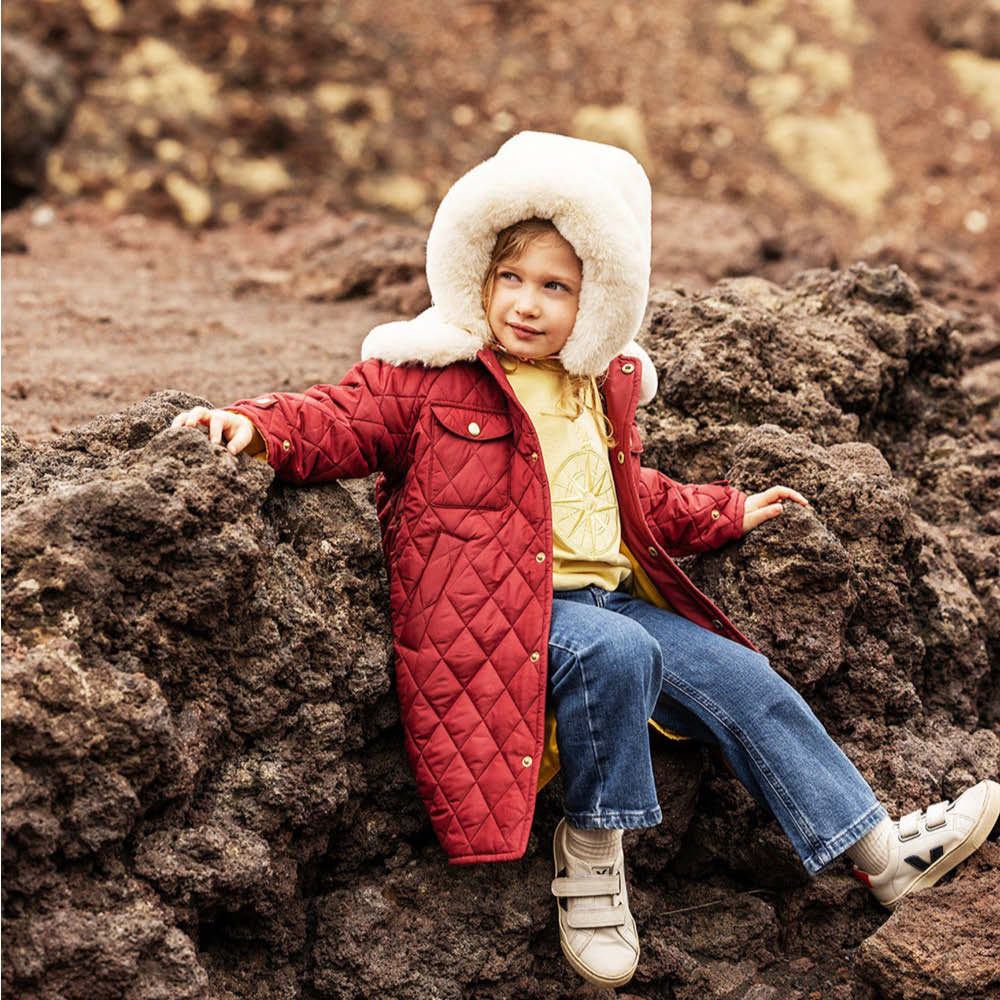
x=578 y=392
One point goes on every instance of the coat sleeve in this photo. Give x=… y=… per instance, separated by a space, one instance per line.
x=691 y=517
x=349 y=430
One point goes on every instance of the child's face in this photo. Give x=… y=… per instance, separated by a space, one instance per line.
x=535 y=298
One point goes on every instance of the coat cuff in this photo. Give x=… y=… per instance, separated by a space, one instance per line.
x=731 y=506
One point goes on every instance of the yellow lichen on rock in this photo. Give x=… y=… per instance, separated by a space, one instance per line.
x=752 y=34
x=619 y=125
x=353 y=112
x=349 y=141
x=979 y=78
x=291 y=106
x=156 y=74
x=335 y=98
x=775 y=93
x=261 y=177
x=59 y=178
x=763 y=11
x=105 y=15
x=399 y=192
x=839 y=156
x=168 y=150
x=844 y=20
x=114 y=200
x=829 y=71
x=194 y=203
x=190 y=8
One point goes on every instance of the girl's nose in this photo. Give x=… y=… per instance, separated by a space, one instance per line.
x=527 y=302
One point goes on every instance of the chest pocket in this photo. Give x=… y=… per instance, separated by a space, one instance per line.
x=471 y=452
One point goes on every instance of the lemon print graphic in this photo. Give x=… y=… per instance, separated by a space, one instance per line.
x=584 y=506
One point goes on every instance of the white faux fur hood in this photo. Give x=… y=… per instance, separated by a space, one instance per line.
x=596 y=195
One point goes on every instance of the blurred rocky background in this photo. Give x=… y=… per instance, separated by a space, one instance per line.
x=258 y=173
x=205 y=792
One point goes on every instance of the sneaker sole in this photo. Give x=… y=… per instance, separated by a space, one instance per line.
x=973 y=841
x=578 y=966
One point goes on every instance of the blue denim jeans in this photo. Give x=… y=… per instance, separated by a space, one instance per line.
x=616 y=661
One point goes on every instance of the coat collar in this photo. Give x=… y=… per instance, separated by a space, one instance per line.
x=430 y=341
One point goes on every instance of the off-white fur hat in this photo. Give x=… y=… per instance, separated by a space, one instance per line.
x=596 y=195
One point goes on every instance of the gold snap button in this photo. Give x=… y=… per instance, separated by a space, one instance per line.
x=652 y=550
x=715 y=515
x=534 y=456
x=621 y=456
x=286 y=445
x=473 y=428
x=526 y=760
x=628 y=369
x=717 y=624
x=535 y=656
x=540 y=557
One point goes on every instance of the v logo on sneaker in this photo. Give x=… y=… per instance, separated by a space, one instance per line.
x=919 y=863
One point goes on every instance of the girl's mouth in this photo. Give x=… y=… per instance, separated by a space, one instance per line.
x=523 y=332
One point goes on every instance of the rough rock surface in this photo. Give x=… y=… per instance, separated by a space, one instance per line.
x=205 y=790
x=903 y=960
x=965 y=24
x=39 y=96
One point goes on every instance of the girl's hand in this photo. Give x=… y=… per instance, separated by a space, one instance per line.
x=238 y=430
x=762 y=507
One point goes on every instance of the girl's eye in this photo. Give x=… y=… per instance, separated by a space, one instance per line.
x=508 y=274
x=559 y=284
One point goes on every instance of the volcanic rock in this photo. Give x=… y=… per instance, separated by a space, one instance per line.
x=205 y=789
x=39 y=96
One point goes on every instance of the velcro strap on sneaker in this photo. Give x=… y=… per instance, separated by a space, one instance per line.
x=936 y=815
x=588 y=885
x=909 y=825
x=601 y=916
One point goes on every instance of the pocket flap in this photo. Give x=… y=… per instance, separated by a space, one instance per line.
x=471 y=423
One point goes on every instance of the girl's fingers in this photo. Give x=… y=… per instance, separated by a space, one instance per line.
x=241 y=438
x=776 y=493
x=760 y=515
x=216 y=419
x=238 y=431
x=771 y=510
x=191 y=418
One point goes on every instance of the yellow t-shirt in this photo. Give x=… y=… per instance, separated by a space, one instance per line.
x=586 y=530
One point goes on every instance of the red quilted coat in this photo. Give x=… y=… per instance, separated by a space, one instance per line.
x=462 y=498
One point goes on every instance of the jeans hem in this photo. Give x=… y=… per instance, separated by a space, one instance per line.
x=616 y=819
x=833 y=848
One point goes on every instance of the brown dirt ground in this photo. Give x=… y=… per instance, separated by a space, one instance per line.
x=103 y=310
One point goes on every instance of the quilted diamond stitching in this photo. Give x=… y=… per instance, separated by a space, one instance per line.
x=383 y=406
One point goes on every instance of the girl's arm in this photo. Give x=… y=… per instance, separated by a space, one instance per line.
x=349 y=430
x=686 y=518
x=696 y=517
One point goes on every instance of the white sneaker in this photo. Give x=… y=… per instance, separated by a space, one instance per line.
x=596 y=929
x=924 y=846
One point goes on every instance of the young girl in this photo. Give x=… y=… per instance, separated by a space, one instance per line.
x=529 y=555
